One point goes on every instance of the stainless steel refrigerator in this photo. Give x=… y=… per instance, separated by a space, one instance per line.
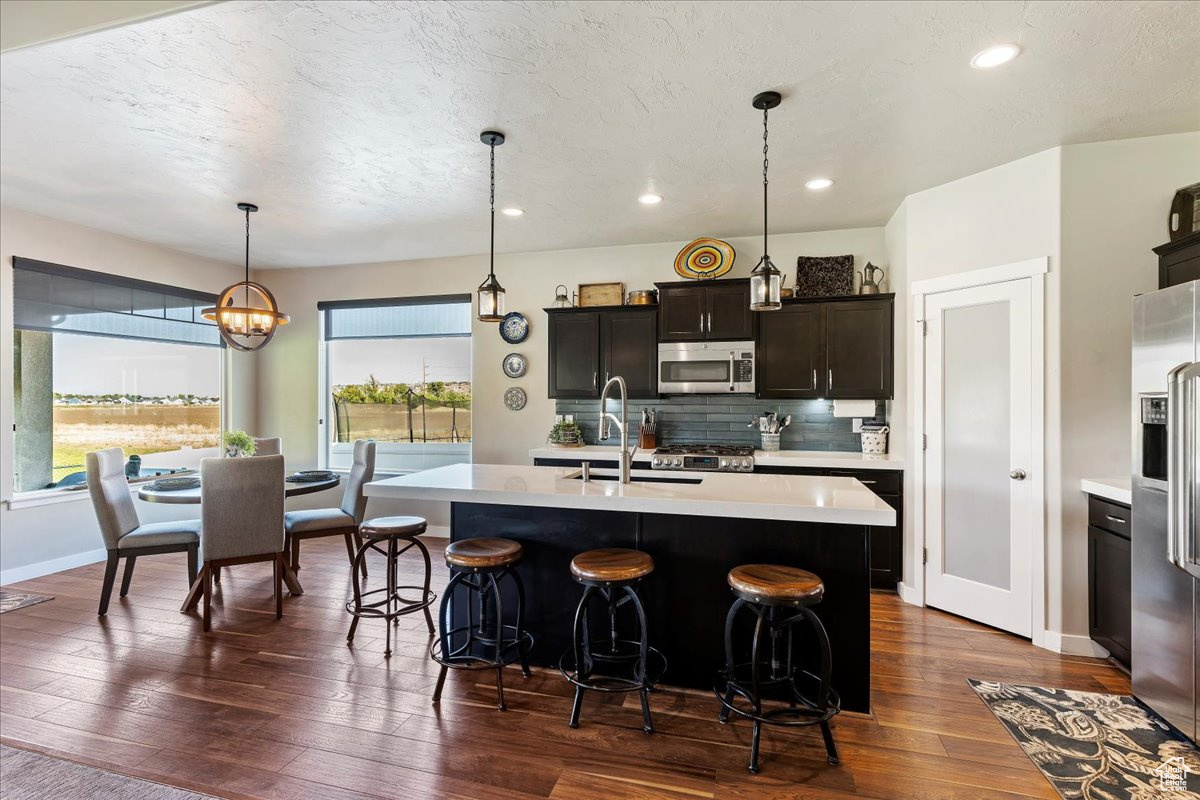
x=1166 y=493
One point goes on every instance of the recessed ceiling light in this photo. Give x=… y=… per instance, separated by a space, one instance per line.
x=511 y=212
x=650 y=199
x=995 y=56
x=819 y=183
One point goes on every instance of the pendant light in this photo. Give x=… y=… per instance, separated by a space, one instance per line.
x=246 y=327
x=765 y=278
x=490 y=294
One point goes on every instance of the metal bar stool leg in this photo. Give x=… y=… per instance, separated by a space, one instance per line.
x=522 y=644
x=358 y=604
x=446 y=613
x=756 y=691
x=582 y=646
x=643 y=657
x=730 y=663
x=428 y=576
x=499 y=641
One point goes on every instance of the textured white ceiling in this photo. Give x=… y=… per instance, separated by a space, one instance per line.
x=355 y=125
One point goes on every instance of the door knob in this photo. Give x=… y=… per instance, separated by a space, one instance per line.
x=1017 y=474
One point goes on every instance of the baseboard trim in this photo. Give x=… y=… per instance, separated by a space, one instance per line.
x=438 y=531
x=31 y=571
x=909 y=594
x=1073 y=645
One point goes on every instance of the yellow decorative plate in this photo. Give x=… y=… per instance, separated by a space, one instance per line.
x=705 y=258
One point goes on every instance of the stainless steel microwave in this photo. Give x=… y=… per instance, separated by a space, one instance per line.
x=706 y=368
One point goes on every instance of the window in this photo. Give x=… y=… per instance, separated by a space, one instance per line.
x=101 y=361
x=398 y=371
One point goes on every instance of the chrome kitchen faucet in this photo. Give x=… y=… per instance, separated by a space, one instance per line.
x=626 y=460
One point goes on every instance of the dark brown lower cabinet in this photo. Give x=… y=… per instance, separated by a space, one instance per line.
x=1109 y=583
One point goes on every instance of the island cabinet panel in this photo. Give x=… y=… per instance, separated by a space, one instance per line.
x=575 y=354
x=790 y=353
x=629 y=348
x=858 y=349
x=716 y=311
x=687 y=596
x=886 y=541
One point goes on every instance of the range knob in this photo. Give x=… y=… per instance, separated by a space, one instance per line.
x=724 y=463
x=678 y=462
x=746 y=463
x=656 y=462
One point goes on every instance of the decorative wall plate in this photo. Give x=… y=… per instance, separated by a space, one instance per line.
x=515 y=399
x=515 y=365
x=705 y=258
x=514 y=328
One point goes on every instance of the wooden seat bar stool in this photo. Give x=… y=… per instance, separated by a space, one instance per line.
x=771 y=688
x=611 y=663
x=481 y=638
x=385 y=535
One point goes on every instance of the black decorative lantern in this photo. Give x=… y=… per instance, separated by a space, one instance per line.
x=765 y=278
x=490 y=294
x=246 y=327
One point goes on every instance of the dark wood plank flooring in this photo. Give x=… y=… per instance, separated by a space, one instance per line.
x=266 y=709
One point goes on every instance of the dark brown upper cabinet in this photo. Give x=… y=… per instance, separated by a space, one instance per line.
x=789 y=352
x=588 y=347
x=838 y=349
x=695 y=311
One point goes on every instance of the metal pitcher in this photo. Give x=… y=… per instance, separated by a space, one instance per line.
x=870 y=283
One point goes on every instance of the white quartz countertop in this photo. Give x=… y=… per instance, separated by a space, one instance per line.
x=1119 y=490
x=811 y=459
x=798 y=498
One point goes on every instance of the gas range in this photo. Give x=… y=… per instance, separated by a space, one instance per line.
x=704 y=458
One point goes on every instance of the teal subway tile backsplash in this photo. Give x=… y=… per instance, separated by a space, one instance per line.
x=724 y=418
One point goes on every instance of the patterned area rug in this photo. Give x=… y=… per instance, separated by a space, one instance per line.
x=11 y=601
x=33 y=776
x=1096 y=746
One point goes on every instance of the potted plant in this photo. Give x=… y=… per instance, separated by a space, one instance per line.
x=565 y=434
x=238 y=443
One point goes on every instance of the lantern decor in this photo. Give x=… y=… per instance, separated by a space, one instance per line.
x=490 y=294
x=246 y=327
x=765 y=278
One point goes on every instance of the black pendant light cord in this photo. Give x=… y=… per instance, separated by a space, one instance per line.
x=765 y=256
x=247 y=258
x=492 y=200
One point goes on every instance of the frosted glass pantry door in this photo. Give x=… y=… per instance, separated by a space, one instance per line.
x=978 y=398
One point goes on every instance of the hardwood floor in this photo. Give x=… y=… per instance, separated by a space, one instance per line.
x=260 y=708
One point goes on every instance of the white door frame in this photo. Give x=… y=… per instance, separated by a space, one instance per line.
x=1034 y=270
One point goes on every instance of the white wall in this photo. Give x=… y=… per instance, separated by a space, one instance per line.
x=1115 y=199
x=1095 y=210
x=1003 y=215
x=65 y=533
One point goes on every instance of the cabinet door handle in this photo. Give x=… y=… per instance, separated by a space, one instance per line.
x=596 y=381
x=830 y=376
x=1111 y=518
x=867 y=483
x=702 y=322
x=710 y=322
x=814 y=379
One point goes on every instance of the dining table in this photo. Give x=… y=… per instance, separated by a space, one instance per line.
x=191 y=496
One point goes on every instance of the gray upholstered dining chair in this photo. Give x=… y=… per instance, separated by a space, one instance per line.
x=268 y=447
x=124 y=534
x=343 y=521
x=241 y=511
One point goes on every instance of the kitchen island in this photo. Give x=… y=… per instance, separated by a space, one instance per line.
x=695 y=525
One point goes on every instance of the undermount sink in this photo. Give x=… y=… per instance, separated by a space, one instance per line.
x=644 y=479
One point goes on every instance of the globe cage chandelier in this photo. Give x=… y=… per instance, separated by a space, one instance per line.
x=765 y=279
x=490 y=294
x=246 y=327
